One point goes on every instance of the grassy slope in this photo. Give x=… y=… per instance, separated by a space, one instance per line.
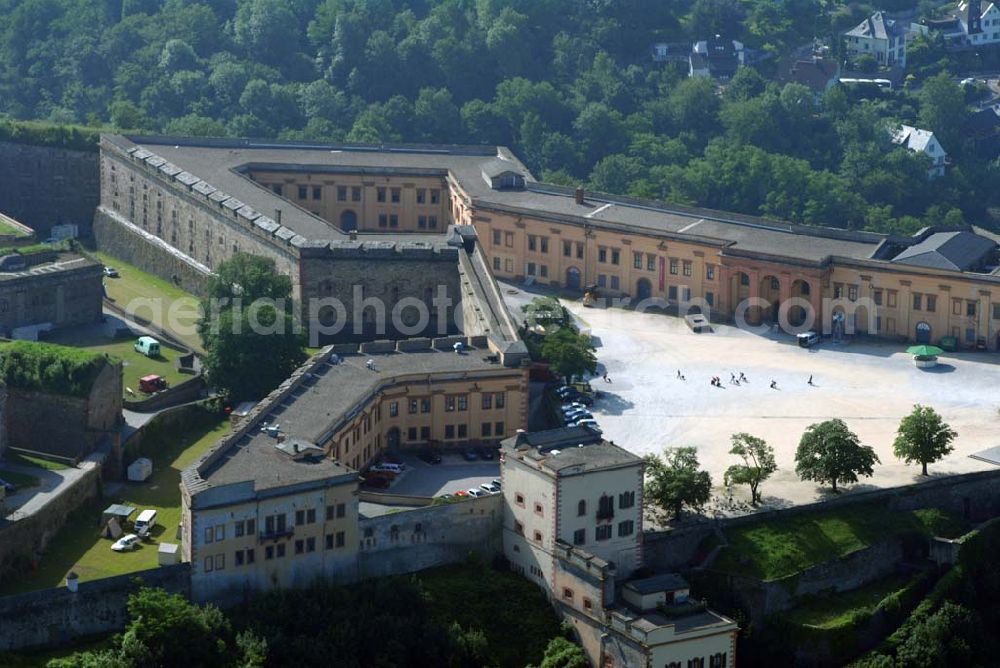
x=511 y=611
x=837 y=609
x=134 y=284
x=78 y=546
x=135 y=365
x=783 y=547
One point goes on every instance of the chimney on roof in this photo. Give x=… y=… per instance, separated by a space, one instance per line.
x=580 y=193
x=277 y=216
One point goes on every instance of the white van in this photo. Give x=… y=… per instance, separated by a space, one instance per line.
x=387 y=467
x=145 y=522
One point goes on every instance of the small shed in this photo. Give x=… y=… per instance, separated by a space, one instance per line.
x=140 y=469
x=168 y=554
x=118 y=511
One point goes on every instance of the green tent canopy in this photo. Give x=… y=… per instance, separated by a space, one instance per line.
x=924 y=351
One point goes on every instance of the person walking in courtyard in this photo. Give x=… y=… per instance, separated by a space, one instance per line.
x=810 y=379
x=743 y=378
x=774 y=384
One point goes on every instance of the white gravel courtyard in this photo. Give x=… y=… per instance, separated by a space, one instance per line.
x=869 y=385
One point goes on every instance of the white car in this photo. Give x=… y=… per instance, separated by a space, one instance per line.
x=476 y=492
x=387 y=467
x=126 y=543
x=586 y=422
x=490 y=488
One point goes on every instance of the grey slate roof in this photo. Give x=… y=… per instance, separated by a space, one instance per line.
x=658 y=583
x=570 y=450
x=877 y=26
x=958 y=251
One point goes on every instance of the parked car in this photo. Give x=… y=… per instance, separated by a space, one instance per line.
x=469 y=455
x=497 y=482
x=461 y=493
x=577 y=398
x=586 y=422
x=126 y=543
x=490 y=488
x=429 y=457
x=485 y=453
x=148 y=346
x=573 y=416
x=808 y=339
x=566 y=407
x=377 y=481
x=111 y=272
x=145 y=522
x=387 y=467
x=473 y=492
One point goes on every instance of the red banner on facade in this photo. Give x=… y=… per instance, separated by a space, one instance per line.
x=663 y=274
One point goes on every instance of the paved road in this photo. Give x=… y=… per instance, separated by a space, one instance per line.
x=29 y=501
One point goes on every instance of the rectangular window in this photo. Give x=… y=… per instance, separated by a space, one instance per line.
x=220 y=532
x=602 y=281
x=411 y=434
x=710 y=298
x=422 y=222
x=580 y=537
x=383 y=220
x=238 y=528
x=421 y=195
x=486 y=429
x=498 y=429
x=650 y=263
x=432 y=222
x=579 y=251
x=672 y=292
x=435 y=196
x=340 y=538
x=687 y=267
x=917 y=299
x=497 y=236
x=394 y=194
x=449 y=431
x=710 y=272
x=393 y=408
x=220 y=562
x=208 y=564
x=463 y=431
x=303 y=192
x=280 y=551
x=970 y=309
x=487 y=401
x=463 y=402
x=616 y=256
x=449 y=404
x=673 y=266
x=311 y=516
x=496 y=263
x=328 y=543
x=602 y=254
x=996 y=311
x=425 y=433
x=500 y=398
x=543 y=244
x=637 y=260
x=877 y=296
x=341 y=193
x=626 y=499
x=890 y=298
x=250 y=556
x=852 y=293
x=380 y=194
x=269 y=552
x=317 y=192
x=567 y=249
x=413 y=406
x=311 y=544
x=626 y=528
x=238 y=558
x=356 y=194
x=931 y=303
x=209 y=534
x=956 y=307
x=341 y=510
x=300 y=517
x=251 y=527
x=425 y=405
x=615 y=283
x=393 y=220
x=603 y=532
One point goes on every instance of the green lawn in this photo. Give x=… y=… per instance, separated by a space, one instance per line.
x=19 y=480
x=782 y=547
x=827 y=612
x=511 y=611
x=135 y=364
x=7 y=229
x=79 y=547
x=134 y=284
x=31 y=460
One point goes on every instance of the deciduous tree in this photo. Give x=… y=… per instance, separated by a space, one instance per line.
x=923 y=437
x=675 y=482
x=758 y=463
x=829 y=452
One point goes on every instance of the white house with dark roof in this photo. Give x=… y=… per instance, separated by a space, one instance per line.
x=979 y=21
x=922 y=141
x=878 y=36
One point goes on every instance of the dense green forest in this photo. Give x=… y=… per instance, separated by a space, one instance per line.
x=568 y=84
